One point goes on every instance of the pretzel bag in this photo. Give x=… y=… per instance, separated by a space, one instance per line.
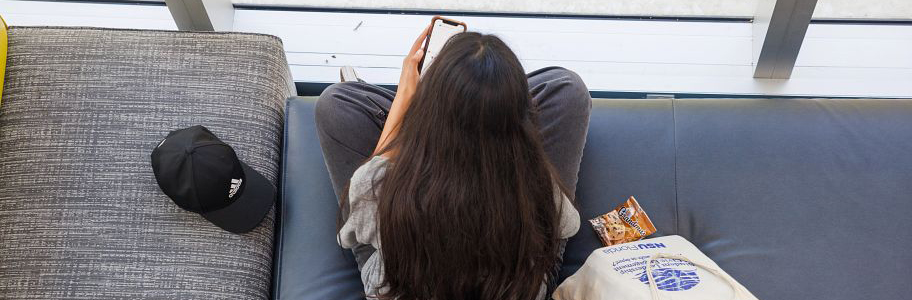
x=626 y=223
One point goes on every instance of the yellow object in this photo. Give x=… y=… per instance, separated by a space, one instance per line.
x=2 y=55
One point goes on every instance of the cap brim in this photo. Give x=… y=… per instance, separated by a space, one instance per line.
x=250 y=208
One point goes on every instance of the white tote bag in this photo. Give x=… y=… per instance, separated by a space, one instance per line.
x=667 y=267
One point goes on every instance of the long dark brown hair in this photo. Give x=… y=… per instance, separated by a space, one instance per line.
x=466 y=207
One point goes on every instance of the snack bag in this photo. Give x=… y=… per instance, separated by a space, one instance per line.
x=626 y=223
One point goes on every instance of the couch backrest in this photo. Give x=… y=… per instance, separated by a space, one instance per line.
x=796 y=199
x=799 y=199
x=629 y=151
x=81 y=215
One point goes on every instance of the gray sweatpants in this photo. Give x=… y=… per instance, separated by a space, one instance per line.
x=350 y=118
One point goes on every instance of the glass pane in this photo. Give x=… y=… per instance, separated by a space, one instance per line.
x=80 y=13
x=826 y=9
x=700 y=8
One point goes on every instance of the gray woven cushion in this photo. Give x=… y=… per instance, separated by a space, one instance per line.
x=81 y=216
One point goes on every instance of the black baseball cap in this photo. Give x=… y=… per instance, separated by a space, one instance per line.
x=202 y=174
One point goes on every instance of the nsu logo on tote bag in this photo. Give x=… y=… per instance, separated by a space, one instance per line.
x=666 y=267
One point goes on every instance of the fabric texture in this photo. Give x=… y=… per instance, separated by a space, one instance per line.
x=360 y=229
x=81 y=216
x=309 y=262
x=799 y=199
x=668 y=267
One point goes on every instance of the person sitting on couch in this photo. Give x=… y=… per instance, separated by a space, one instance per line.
x=458 y=185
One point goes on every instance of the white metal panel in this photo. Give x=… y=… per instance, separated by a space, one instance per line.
x=600 y=7
x=531 y=45
x=610 y=55
x=827 y=9
x=860 y=46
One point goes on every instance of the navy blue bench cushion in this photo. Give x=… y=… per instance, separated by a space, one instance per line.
x=309 y=264
x=800 y=199
x=629 y=151
x=636 y=161
x=797 y=199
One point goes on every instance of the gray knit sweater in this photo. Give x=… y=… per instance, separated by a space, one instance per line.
x=359 y=232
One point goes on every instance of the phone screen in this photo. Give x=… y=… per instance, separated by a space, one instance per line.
x=441 y=32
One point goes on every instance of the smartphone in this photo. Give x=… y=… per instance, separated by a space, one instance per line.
x=442 y=29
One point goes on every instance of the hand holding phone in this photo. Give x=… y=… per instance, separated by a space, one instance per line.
x=408 y=85
x=408 y=80
x=442 y=29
